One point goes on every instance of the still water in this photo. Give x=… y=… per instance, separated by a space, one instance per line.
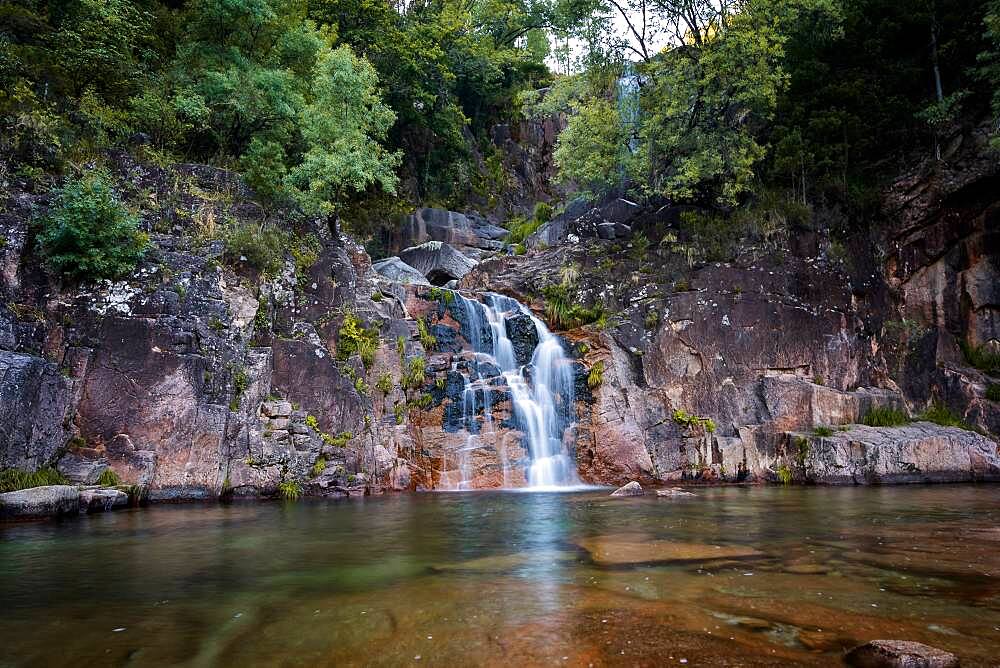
x=734 y=576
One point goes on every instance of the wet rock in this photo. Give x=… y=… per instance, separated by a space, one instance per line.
x=437 y=261
x=673 y=492
x=523 y=336
x=631 y=489
x=899 y=654
x=398 y=271
x=102 y=500
x=39 y=502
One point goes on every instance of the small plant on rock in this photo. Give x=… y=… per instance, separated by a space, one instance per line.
x=384 y=384
x=427 y=340
x=596 y=375
x=885 y=416
x=290 y=490
x=108 y=478
x=354 y=338
x=822 y=431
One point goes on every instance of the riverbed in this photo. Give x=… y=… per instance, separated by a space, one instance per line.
x=732 y=576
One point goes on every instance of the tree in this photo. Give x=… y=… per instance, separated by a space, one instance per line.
x=342 y=127
x=592 y=149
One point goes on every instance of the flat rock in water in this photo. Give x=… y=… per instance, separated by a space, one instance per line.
x=102 y=500
x=45 y=501
x=631 y=489
x=673 y=492
x=900 y=654
x=615 y=550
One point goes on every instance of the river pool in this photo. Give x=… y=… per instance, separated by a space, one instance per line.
x=733 y=576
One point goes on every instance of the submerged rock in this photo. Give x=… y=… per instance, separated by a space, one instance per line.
x=620 y=549
x=37 y=502
x=899 y=654
x=631 y=489
x=673 y=492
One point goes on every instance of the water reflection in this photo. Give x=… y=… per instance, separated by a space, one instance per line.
x=763 y=574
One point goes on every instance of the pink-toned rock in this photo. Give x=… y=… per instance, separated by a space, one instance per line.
x=900 y=654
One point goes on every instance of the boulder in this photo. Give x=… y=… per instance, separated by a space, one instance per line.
x=523 y=336
x=437 y=261
x=466 y=231
x=631 y=489
x=102 y=499
x=899 y=654
x=620 y=211
x=35 y=410
x=38 y=502
x=609 y=231
x=277 y=409
x=398 y=271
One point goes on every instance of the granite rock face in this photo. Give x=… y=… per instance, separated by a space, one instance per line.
x=437 y=261
x=899 y=654
x=40 y=502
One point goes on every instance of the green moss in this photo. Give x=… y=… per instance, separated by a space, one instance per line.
x=885 y=416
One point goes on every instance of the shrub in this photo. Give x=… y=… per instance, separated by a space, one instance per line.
x=11 y=480
x=885 y=416
x=109 y=478
x=384 y=384
x=290 y=490
x=822 y=432
x=260 y=246
x=543 y=212
x=689 y=421
x=263 y=167
x=414 y=375
x=88 y=233
x=563 y=314
x=240 y=384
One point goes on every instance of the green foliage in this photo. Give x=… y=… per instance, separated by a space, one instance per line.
x=312 y=422
x=427 y=340
x=543 y=212
x=784 y=475
x=562 y=313
x=885 y=416
x=441 y=295
x=983 y=358
x=318 y=467
x=822 y=431
x=690 y=421
x=241 y=381
x=596 y=375
x=261 y=246
x=290 y=490
x=338 y=441
x=12 y=480
x=652 y=319
x=399 y=411
x=413 y=377
x=354 y=338
x=993 y=392
x=521 y=229
x=592 y=148
x=88 y=233
x=109 y=478
x=384 y=384
x=940 y=414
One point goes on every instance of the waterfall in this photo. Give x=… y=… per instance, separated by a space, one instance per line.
x=541 y=391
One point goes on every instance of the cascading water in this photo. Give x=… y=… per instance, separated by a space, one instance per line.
x=542 y=407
